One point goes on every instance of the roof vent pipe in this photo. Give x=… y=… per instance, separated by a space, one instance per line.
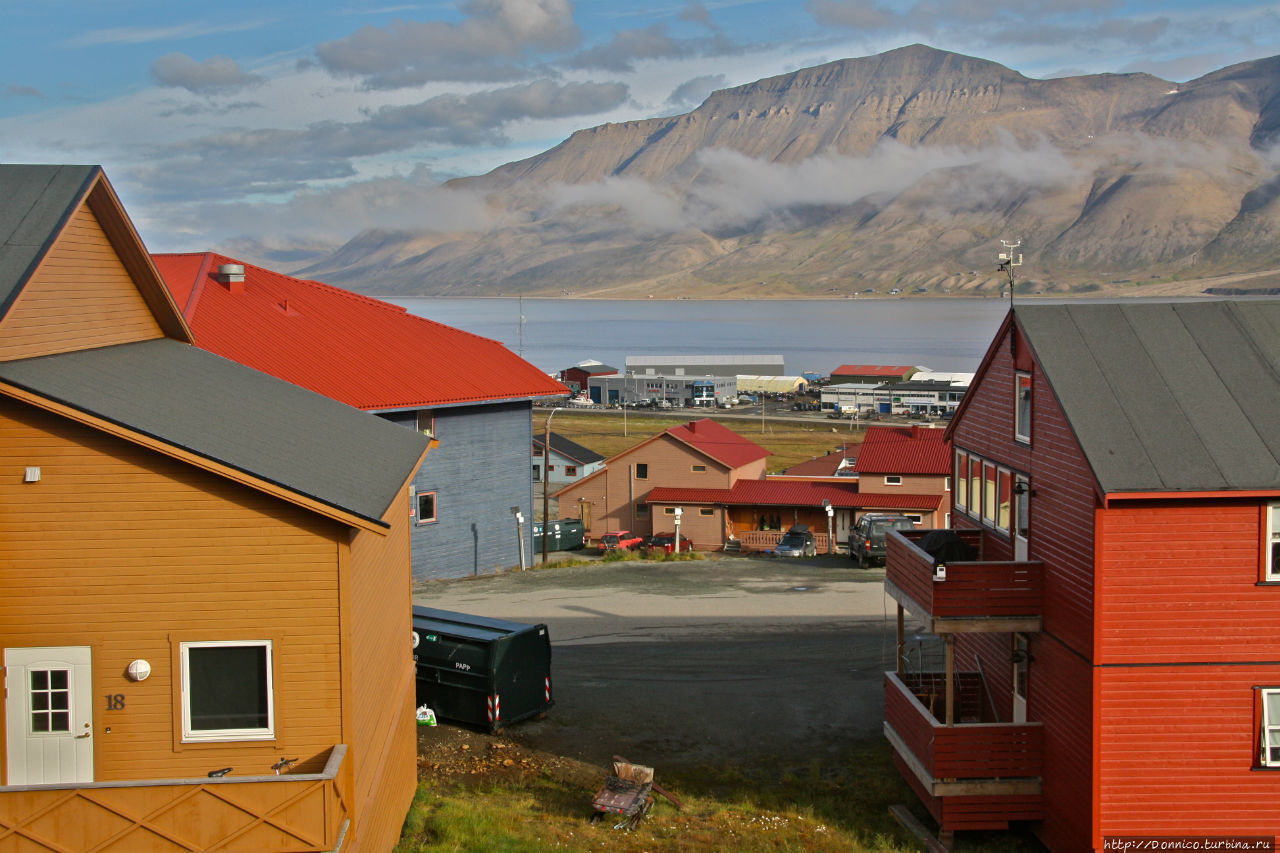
x=232 y=275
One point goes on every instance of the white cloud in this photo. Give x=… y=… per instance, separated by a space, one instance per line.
x=215 y=74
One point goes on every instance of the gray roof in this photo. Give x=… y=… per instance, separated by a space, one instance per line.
x=222 y=411
x=570 y=449
x=37 y=200
x=1167 y=396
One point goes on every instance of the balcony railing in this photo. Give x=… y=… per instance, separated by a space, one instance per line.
x=987 y=759
x=291 y=813
x=1010 y=592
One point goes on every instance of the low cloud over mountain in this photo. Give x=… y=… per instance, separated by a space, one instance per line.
x=902 y=169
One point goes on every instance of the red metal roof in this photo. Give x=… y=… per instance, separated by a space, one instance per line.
x=872 y=370
x=904 y=450
x=823 y=466
x=362 y=351
x=788 y=493
x=718 y=442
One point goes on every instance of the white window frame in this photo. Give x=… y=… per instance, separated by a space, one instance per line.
x=1022 y=408
x=190 y=735
x=1271 y=542
x=1270 y=727
x=893 y=479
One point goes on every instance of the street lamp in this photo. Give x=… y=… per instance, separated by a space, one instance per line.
x=831 y=511
x=676 y=546
x=519 y=516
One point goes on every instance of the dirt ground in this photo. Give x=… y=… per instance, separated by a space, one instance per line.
x=724 y=662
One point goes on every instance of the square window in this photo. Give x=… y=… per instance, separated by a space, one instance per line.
x=571 y=470
x=226 y=691
x=1022 y=407
x=642 y=471
x=426 y=507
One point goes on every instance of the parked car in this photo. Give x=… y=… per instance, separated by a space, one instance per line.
x=619 y=540
x=666 y=543
x=866 y=540
x=797 y=542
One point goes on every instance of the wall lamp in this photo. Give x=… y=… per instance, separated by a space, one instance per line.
x=1021 y=488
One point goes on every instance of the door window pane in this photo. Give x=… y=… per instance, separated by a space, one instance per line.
x=50 y=701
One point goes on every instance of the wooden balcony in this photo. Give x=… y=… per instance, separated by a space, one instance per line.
x=980 y=595
x=971 y=775
x=291 y=813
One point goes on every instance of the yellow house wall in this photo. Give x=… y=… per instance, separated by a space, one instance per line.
x=131 y=553
x=80 y=297
x=383 y=730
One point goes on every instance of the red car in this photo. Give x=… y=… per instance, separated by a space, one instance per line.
x=619 y=540
x=666 y=543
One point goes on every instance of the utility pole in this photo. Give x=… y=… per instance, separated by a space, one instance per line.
x=546 y=483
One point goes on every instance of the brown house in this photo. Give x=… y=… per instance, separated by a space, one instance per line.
x=699 y=454
x=191 y=581
x=907 y=460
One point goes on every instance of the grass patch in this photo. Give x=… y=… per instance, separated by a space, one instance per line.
x=808 y=807
x=789 y=442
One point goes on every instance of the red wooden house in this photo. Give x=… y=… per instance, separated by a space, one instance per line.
x=1110 y=664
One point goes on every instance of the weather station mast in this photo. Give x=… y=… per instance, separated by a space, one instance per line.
x=1008 y=260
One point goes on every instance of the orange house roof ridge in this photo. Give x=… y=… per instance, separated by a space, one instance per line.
x=719 y=442
x=362 y=351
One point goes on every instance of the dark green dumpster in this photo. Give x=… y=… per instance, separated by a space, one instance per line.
x=478 y=671
x=566 y=535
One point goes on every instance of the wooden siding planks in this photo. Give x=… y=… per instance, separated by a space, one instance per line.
x=383 y=733
x=80 y=297
x=1178 y=581
x=180 y=556
x=1178 y=748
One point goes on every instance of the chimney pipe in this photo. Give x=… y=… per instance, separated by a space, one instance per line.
x=232 y=275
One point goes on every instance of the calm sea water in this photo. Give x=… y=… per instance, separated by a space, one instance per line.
x=812 y=335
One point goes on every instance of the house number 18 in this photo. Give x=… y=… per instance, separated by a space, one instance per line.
x=115 y=702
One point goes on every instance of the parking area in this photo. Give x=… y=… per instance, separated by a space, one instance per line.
x=725 y=660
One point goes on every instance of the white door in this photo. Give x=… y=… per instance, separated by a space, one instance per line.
x=49 y=715
x=842 y=526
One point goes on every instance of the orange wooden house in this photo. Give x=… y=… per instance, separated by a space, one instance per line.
x=201 y=567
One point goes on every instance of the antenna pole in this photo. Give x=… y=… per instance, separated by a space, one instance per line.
x=1008 y=260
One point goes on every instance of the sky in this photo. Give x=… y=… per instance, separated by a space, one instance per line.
x=300 y=123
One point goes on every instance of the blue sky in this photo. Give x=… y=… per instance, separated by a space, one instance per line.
x=296 y=123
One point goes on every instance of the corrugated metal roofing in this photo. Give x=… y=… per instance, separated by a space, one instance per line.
x=788 y=493
x=719 y=442
x=823 y=466
x=36 y=201
x=904 y=450
x=1173 y=396
x=225 y=412
x=365 y=352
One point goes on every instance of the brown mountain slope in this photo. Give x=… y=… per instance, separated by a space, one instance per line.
x=898 y=170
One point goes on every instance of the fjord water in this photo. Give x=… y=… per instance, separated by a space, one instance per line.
x=812 y=335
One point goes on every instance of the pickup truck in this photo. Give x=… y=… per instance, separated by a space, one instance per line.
x=866 y=541
x=619 y=540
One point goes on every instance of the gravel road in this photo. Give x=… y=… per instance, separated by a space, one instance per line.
x=729 y=660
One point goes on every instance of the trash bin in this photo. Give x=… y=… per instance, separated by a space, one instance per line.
x=478 y=671
x=566 y=535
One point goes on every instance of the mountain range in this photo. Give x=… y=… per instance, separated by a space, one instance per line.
x=906 y=171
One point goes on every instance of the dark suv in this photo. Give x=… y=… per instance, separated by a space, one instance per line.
x=866 y=541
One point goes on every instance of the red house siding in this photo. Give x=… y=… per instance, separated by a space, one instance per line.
x=1178 y=746
x=1177 y=582
x=1061 y=533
